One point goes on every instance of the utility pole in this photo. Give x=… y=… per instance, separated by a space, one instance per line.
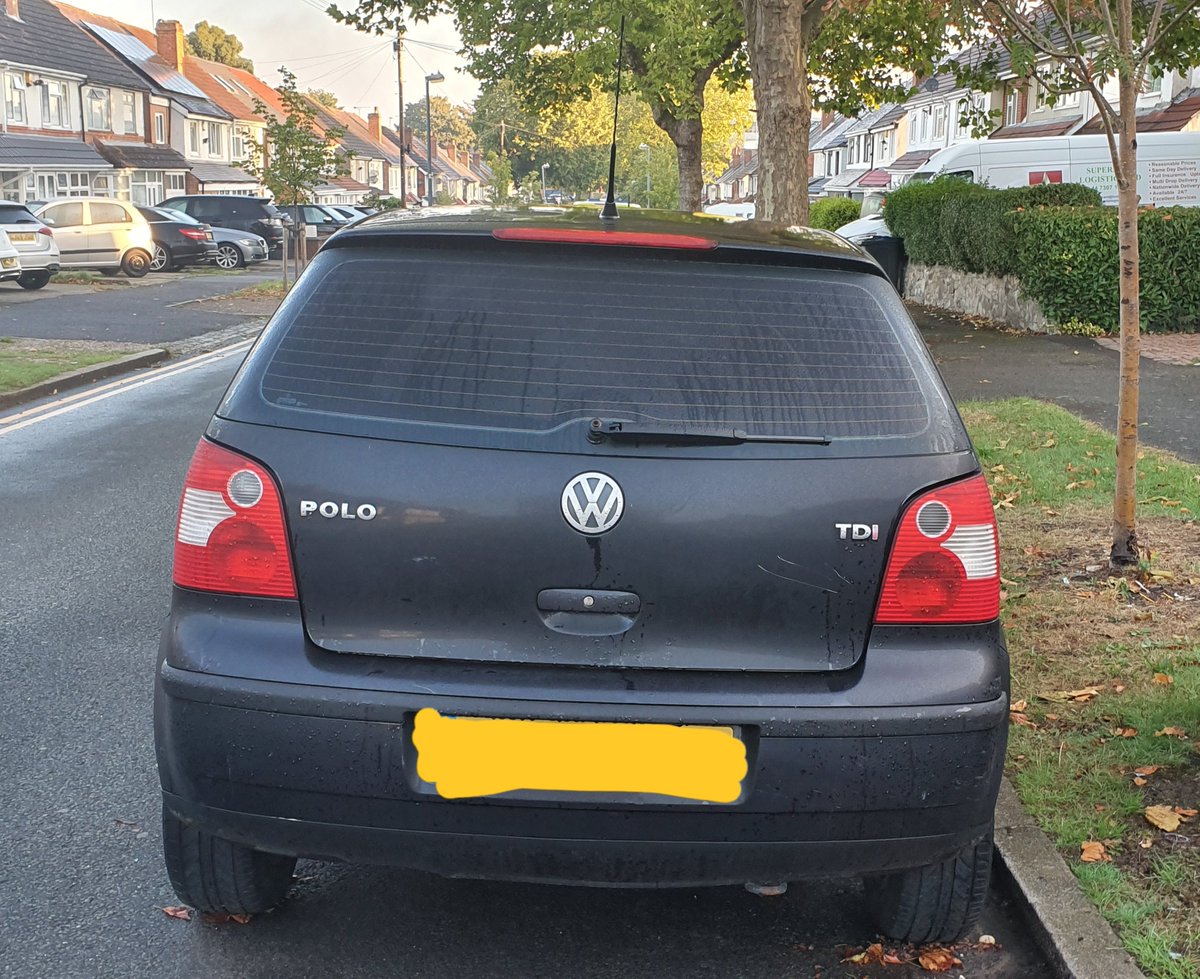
x=501 y=137
x=399 y=46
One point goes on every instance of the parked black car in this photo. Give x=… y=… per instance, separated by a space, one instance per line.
x=685 y=575
x=325 y=219
x=178 y=239
x=255 y=214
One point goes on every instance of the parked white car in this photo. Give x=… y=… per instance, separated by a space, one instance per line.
x=99 y=233
x=10 y=260
x=33 y=240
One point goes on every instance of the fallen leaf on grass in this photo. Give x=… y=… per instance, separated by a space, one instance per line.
x=1139 y=781
x=1185 y=814
x=221 y=919
x=1146 y=770
x=1164 y=817
x=1070 y=696
x=1163 y=679
x=938 y=960
x=987 y=940
x=1171 y=732
x=1019 y=706
x=1125 y=732
x=1016 y=717
x=1146 y=842
x=178 y=911
x=1119 y=688
x=1094 y=852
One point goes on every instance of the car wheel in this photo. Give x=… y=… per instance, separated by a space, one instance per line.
x=33 y=280
x=136 y=263
x=219 y=876
x=161 y=262
x=230 y=257
x=939 y=903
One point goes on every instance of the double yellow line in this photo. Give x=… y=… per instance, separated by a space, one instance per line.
x=81 y=399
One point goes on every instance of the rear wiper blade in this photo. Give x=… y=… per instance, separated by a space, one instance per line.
x=627 y=431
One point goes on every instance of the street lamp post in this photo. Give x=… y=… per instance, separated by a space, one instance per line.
x=436 y=77
x=646 y=149
x=544 y=166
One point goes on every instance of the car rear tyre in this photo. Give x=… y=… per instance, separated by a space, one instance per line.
x=162 y=261
x=230 y=257
x=33 y=280
x=109 y=272
x=221 y=877
x=136 y=263
x=939 y=903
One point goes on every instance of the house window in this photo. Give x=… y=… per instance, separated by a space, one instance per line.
x=884 y=141
x=102 y=185
x=160 y=127
x=1012 y=106
x=853 y=151
x=1152 y=84
x=1068 y=100
x=175 y=183
x=64 y=184
x=10 y=185
x=128 y=109
x=215 y=139
x=97 y=108
x=14 y=97
x=237 y=143
x=194 y=138
x=146 y=187
x=939 y=121
x=54 y=105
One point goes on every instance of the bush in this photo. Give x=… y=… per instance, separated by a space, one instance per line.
x=969 y=226
x=1067 y=259
x=831 y=213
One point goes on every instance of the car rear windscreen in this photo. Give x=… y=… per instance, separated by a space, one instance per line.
x=529 y=338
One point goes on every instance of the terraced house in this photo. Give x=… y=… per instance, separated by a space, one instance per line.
x=71 y=108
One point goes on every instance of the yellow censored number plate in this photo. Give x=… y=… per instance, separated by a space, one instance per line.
x=481 y=756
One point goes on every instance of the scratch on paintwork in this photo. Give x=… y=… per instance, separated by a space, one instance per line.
x=839 y=574
x=807 y=584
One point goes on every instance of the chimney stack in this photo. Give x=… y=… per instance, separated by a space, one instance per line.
x=375 y=126
x=171 y=46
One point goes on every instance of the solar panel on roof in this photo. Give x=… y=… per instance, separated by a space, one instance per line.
x=132 y=49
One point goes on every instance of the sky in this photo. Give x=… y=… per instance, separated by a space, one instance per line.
x=359 y=68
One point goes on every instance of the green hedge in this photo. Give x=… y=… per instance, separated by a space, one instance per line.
x=1059 y=242
x=1068 y=262
x=831 y=213
x=968 y=226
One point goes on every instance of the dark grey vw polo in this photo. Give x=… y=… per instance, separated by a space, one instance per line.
x=644 y=553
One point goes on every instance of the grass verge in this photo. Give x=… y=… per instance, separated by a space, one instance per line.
x=275 y=289
x=1106 y=669
x=22 y=364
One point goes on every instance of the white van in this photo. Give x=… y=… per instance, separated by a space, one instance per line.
x=1168 y=165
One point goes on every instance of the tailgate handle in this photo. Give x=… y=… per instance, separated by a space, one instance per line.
x=588 y=600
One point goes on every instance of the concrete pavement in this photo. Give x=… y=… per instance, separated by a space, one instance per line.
x=1075 y=372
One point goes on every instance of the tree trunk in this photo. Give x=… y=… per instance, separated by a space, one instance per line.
x=688 y=141
x=1125 y=545
x=777 y=40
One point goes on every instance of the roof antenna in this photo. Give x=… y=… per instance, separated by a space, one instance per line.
x=609 y=211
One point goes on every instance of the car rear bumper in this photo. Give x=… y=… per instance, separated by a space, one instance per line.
x=193 y=252
x=328 y=770
x=39 y=261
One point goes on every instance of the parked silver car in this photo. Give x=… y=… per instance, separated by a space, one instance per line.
x=33 y=240
x=10 y=261
x=236 y=249
x=100 y=233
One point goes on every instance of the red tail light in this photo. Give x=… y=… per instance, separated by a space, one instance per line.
x=45 y=231
x=581 y=236
x=230 y=536
x=194 y=233
x=944 y=567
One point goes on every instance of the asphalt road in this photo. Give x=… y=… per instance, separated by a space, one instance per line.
x=88 y=498
x=152 y=311
x=1074 y=372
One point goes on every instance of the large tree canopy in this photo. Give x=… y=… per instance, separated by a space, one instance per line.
x=210 y=42
x=554 y=54
x=451 y=123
